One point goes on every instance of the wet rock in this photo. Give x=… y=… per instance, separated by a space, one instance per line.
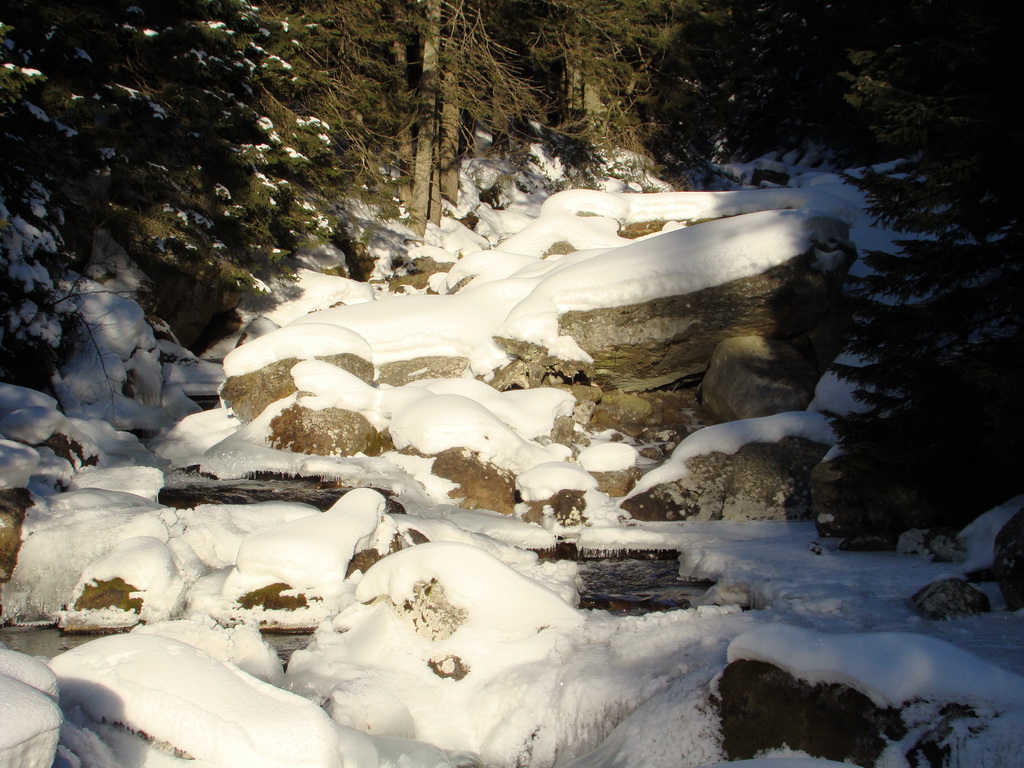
x=656 y=343
x=762 y=707
x=14 y=502
x=481 y=485
x=761 y=481
x=851 y=504
x=247 y=395
x=1008 y=565
x=950 y=597
x=752 y=376
x=325 y=432
x=401 y=372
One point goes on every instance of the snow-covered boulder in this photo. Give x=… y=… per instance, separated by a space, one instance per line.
x=752 y=376
x=855 y=697
x=443 y=622
x=136 y=581
x=556 y=492
x=613 y=465
x=177 y=694
x=292 y=574
x=756 y=469
x=30 y=719
x=650 y=313
x=259 y=372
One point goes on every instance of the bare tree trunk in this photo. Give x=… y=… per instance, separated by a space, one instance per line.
x=405 y=143
x=450 y=127
x=426 y=137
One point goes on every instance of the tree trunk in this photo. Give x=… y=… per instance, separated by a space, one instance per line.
x=450 y=126
x=426 y=137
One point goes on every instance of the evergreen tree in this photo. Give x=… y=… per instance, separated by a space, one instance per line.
x=940 y=321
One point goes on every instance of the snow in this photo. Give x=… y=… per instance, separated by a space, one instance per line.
x=305 y=343
x=30 y=719
x=17 y=463
x=608 y=457
x=182 y=696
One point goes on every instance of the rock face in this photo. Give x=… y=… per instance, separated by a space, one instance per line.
x=325 y=432
x=247 y=395
x=649 y=345
x=1008 y=565
x=950 y=597
x=752 y=376
x=761 y=481
x=13 y=504
x=481 y=485
x=762 y=707
x=849 y=506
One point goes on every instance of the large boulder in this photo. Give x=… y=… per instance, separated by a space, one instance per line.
x=1008 y=565
x=259 y=371
x=751 y=376
x=655 y=343
x=760 y=481
x=762 y=707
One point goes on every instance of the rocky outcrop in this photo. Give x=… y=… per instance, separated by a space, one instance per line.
x=1008 y=565
x=849 y=505
x=762 y=707
x=947 y=598
x=658 y=342
x=325 y=432
x=752 y=376
x=761 y=481
x=248 y=394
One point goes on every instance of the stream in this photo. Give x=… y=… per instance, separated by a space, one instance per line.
x=633 y=584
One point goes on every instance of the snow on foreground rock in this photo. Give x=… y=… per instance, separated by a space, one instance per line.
x=214 y=712
x=452 y=647
x=29 y=716
x=890 y=668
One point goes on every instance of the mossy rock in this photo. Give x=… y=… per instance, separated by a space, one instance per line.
x=270 y=598
x=115 y=593
x=560 y=248
x=641 y=228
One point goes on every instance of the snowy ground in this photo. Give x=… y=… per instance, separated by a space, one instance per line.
x=467 y=649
